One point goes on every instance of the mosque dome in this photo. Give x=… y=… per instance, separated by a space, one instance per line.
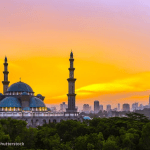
x=10 y=102
x=39 y=95
x=36 y=102
x=26 y=109
x=1 y=94
x=24 y=93
x=20 y=87
x=86 y=118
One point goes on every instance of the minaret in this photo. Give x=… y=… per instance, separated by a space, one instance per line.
x=5 y=82
x=71 y=89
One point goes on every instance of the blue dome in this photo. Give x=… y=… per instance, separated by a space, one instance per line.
x=24 y=93
x=20 y=87
x=10 y=102
x=86 y=118
x=36 y=102
x=39 y=95
x=1 y=94
x=27 y=109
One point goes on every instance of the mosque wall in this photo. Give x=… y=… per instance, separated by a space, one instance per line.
x=39 y=121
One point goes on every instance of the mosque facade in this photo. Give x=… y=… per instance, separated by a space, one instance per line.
x=19 y=102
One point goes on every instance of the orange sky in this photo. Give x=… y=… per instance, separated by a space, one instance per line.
x=110 y=42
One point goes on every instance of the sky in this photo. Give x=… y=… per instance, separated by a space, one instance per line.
x=109 y=39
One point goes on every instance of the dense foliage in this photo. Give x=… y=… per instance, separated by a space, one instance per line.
x=126 y=133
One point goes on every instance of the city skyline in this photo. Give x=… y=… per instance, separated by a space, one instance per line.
x=110 y=42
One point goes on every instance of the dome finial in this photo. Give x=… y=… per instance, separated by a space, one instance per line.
x=5 y=59
x=71 y=54
x=20 y=79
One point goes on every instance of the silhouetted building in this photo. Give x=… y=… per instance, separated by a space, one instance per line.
x=96 y=106
x=86 y=108
x=100 y=107
x=126 y=107
x=141 y=107
x=115 y=109
x=134 y=106
x=118 y=107
x=108 y=107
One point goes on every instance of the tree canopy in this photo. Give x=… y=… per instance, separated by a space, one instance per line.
x=116 y=133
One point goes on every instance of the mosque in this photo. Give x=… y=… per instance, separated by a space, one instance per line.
x=18 y=101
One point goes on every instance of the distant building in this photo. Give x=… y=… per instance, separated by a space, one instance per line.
x=118 y=107
x=141 y=107
x=53 y=109
x=126 y=107
x=63 y=107
x=146 y=106
x=134 y=106
x=100 y=107
x=108 y=107
x=115 y=109
x=86 y=108
x=96 y=106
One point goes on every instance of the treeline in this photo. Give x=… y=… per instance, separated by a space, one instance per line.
x=126 y=133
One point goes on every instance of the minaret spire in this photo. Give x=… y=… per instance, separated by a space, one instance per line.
x=5 y=72
x=71 y=80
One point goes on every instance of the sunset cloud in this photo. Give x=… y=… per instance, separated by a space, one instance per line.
x=109 y=39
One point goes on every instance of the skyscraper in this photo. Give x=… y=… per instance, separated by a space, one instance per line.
x=96 y=106
x=134 y=106
x=86 y=108
x=108 y=107
x=118 y=107
x=126 y=107
x=101 y=107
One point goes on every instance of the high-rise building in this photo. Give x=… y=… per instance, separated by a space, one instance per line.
x=108 y=107
x=141 y=107
x=96 y=106
x=118 y=107
x=101 y=107
x=126 y=107
x=86 y=108
x=134 y=106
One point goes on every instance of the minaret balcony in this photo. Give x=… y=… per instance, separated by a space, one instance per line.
x=71 y=69
x=71 y=59
x=71 y=79
x=5 y=72
x=71 y=94
x=5 y=64
x=5 y=82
